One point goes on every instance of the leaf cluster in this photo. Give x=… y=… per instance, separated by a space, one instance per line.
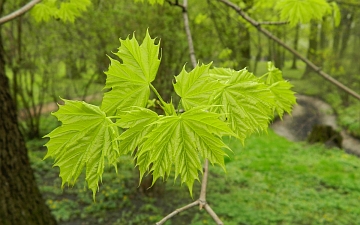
x=214 y=102
x=66 y=11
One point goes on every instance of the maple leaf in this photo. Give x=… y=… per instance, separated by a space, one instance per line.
x=129 y=81
x=284 y=96
x=302 y=10
x=180 y=140
x=139 y=123
x=85 y=138
x=195 y=87
x=246 y=102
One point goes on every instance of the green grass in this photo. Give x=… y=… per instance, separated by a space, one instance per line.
x=269 y=181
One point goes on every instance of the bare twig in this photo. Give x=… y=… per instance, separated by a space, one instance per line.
x=274 y=22
x=176 y=3
x=188 y=34
x=19 y=12
x=213 y=214
x=176 y=211
x=202 y=198
x=317 y=69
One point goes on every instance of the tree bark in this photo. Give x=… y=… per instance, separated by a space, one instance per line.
x=20 y=200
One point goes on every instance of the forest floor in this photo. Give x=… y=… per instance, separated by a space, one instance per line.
x=269 y=180
x=308 y=112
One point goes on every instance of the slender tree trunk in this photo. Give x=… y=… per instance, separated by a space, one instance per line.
x=20 y=200
x=295 y=43
x=312 y=53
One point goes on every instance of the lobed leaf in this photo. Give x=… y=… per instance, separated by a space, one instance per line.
x=65 y=11
x=181 y=140
x=246 y=102
x=302 y=10
x=196 y=87
x=139 y=123
x=84 y=139
x=129 y=81
x=284 y=96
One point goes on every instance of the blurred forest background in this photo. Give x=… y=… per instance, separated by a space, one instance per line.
x=269 y=181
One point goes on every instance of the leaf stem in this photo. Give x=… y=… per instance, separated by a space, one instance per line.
x=163 y=103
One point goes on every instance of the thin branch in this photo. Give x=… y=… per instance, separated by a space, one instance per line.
x=274 y=22
x=176 y=3
x=293 y=51
x=19 y=12
x=177 y=211
x=188 y=34
x=213 y=214
x=202 y=198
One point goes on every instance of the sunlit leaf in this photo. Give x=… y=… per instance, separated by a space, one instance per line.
x=181 y=140
x=302 y=11
x=84 y=139
x=195 y=87
x=139 y=123
x=284 y=96
x=129 y=81
x=246 y=102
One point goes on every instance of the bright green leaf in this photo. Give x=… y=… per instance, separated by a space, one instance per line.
x=129 y=81
x=66 y=11
x=139 y=123
x=273 y=75
x=180 y=141
x=84 y=139
x=246 y=102
x=302 y=11
x=43 y=11
x=196 y=87
x=284 y=97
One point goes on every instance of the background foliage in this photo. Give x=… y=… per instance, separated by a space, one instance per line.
x=49 y=59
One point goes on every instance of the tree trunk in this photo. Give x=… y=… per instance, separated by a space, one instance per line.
x=20 y=200
x=312 y=53
x=295 y=43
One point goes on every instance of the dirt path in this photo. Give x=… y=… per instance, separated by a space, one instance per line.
x=309 y=112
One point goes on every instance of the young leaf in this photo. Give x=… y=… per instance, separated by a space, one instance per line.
x=84 y=139
x=195 y=87
x=302 y=10
x=129 y=81
x=181 y=140
x=273 y=75
x=284 y=96
x=139 y=123
x=67 y=11
x=246 y=102
x=43 y=11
